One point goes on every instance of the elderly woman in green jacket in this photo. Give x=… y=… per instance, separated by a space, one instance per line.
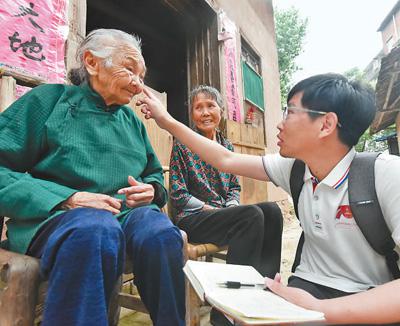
x=81 y=182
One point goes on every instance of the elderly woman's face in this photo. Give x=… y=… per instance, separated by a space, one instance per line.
x=123 y=80
x=206 y=113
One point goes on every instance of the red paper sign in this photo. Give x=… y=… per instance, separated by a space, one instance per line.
x=228 y=36
x=32 y=38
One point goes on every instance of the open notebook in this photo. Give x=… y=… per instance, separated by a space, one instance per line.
x=247 y=305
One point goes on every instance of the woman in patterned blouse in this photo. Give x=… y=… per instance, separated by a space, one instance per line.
x=207 y=201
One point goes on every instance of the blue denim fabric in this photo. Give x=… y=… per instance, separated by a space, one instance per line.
x=84 y=257
x=155 y=246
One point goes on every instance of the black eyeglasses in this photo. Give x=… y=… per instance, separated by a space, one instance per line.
x=286 y=109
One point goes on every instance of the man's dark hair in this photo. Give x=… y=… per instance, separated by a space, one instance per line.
x=353 y=102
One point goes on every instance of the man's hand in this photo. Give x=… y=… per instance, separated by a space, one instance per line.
x=92 y=200
x=137 y=193
x=151 y=107
x=294 y=295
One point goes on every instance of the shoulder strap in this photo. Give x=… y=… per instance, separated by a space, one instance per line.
x=367 y=211
x=296 y=184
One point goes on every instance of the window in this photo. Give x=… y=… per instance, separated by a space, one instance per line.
x=252 y=79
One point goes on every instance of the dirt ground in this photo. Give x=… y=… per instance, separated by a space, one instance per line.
x=291 y=235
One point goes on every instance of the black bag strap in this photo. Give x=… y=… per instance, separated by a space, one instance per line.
x=367 y=210
x=296 y=184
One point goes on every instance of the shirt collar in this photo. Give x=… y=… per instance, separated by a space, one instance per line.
x=339 y=173
x=96 y=98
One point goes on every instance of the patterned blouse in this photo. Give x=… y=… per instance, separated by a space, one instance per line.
x=194 y=183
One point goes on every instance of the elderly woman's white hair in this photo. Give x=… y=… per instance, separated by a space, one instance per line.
x=102 y=43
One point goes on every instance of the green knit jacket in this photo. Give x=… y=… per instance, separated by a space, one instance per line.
x=57 y=140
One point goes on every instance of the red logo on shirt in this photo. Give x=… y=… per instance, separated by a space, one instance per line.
x=344 y=210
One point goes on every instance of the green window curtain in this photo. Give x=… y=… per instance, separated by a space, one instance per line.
x=253 y=86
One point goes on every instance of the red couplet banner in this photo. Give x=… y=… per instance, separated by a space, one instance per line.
x=32 y=37
x=228 y=36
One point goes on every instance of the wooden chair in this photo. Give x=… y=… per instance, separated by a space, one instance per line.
x=195 y=251
x=22 y=292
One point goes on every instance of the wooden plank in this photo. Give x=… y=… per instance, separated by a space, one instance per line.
x=207 y=57
x=244 y=144
x=77 y=17
x=160 y=139
x=77 y=31
x=132 y=302
x=233 y=132
x=393 y=78
x=248 y=140
x=19 y=279
x=203 y=53
x=22 y=78
x=7 y=92
x=253 y=191
x=252 y=135
x=214 y=57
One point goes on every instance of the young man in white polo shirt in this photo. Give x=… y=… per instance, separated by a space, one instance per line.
x=325 y=117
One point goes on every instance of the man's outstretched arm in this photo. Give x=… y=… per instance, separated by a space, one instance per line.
x=218 y=156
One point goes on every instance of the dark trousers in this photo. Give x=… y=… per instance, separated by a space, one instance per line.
x=83 y=258
x=253 y=234
x=317 y=290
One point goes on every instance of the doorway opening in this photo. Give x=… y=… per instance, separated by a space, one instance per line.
x=168 y=30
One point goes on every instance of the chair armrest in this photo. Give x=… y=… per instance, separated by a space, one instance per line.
x=19 y=279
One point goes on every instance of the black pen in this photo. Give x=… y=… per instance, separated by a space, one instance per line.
x=238 y=285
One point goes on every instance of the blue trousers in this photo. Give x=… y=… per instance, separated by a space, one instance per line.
x=83 y=257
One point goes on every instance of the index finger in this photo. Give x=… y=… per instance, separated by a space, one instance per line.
x=132 y=189
x=147 y=92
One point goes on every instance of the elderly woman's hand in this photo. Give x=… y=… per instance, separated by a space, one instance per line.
x=151 y=107
x=92 y=200
x=138 y=193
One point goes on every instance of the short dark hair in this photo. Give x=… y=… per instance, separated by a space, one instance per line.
x=352 y=101
x=209 y=91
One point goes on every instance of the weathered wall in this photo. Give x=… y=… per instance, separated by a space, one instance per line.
x=255 y=23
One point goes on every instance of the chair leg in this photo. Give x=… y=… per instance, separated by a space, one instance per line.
x=19 y=282
x=114 y=308
x=193 y=306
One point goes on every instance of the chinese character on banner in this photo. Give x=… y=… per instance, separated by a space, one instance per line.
x=33 y=34
x=228 y=36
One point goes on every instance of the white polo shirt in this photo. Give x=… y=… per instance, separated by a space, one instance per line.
x=335 y=252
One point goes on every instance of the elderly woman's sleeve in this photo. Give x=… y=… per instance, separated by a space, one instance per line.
x=233 y=195
x=153 y=173
x=180 y=196
x=22 y=144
